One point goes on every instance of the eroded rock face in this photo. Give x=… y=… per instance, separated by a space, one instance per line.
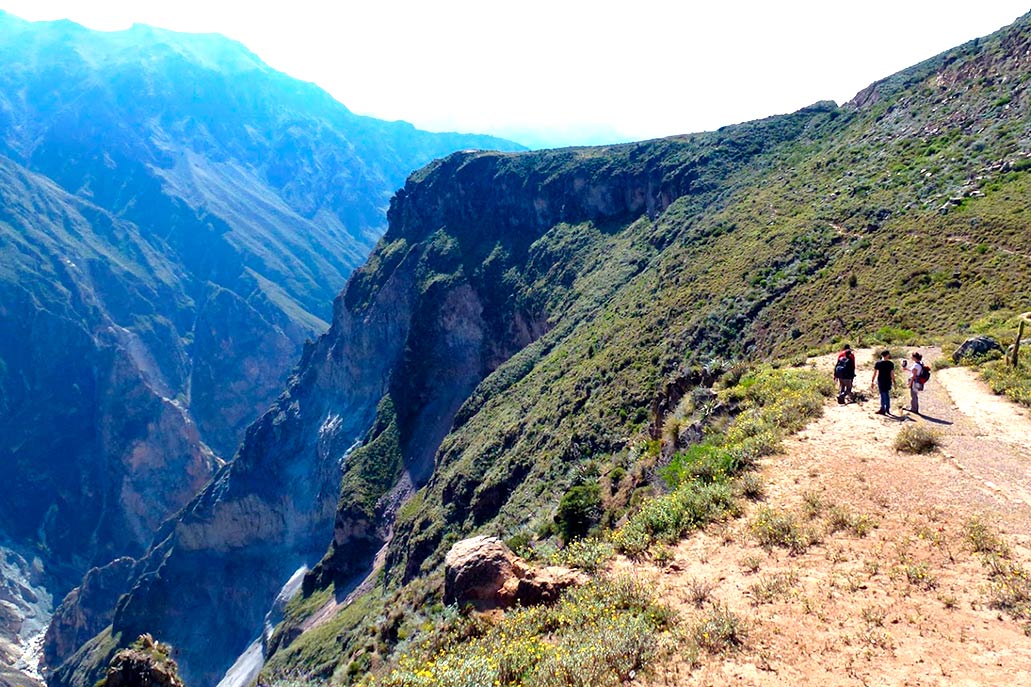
x=484 y=573
x=86 y=610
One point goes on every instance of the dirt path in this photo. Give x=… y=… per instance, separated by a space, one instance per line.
x=907 y=603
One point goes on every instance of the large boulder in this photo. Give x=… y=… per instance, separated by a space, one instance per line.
x=977 y=347
x=484 y=573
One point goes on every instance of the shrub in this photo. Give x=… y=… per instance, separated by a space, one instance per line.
x=984 y=540
x=916 y=438
x=597 y=634
x=751 y=486
x=782 y=530
x=720 y=631
x=768 y=588
x=587 y=554
x=668 y=518
x=578 y=511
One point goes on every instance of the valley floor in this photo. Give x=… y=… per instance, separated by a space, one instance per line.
x=907 y=603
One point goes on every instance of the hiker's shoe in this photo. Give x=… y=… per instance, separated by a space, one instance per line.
x=882 y=411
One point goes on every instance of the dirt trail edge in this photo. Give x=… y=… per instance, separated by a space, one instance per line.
x=890 y=592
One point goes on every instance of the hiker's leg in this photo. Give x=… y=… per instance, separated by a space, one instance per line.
x=914 y=400
x=885 y=400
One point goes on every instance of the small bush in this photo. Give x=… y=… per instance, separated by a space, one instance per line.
x=984 y=540
x=720 y=631
x=773 y=529
x=668 y=518
x=768 y=589
x=698 y=591
x=588 y=554
x=751 y=486
x=917 y=438
x=840 y=518
x=1014 y=382
x=919 y=575
x=1010 y=588
x=578 y=511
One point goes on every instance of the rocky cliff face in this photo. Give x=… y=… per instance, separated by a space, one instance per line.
x=175 y=220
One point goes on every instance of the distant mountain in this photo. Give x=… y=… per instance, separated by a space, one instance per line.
x=176 y=219
x=510 y=339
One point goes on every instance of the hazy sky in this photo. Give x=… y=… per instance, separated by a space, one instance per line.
x=570 y=71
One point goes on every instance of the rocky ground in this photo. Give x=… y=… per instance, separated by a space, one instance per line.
x=897 y=595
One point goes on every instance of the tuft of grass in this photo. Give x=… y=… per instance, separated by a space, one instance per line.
x=840 y=518
x=699 y=591
x=916 y=438
x=751 y=563
x=984 y=540
x=919 y=575
x=769 y=588
x=720 y=631
x=751 y=486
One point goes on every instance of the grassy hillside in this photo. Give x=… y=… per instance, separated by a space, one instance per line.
x=899 y=217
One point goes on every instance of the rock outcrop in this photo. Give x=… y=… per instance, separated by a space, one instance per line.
x=977 y=347
x=484 y=573
x=146 y=663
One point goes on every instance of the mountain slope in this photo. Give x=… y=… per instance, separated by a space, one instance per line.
x=176 y=219
x=201 y=208
x=513 y=334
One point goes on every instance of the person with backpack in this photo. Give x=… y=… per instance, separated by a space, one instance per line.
x=919 y=374
x=845 y=372
x=884 y=378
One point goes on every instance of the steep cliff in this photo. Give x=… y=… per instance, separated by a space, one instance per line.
x=522 y=314
x=175 y=220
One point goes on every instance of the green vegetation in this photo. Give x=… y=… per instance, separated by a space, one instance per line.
x=916 y=438
x=599 y=634
x=770 y=239
x=1010 y=581
x=781 y=529
x=578 y=511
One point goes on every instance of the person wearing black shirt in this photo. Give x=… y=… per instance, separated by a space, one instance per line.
x=884 y=377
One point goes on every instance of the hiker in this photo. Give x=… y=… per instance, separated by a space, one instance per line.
x=884 y=378
x=845 y=372
x=916 y=373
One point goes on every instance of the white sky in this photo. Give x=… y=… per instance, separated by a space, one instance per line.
x=569 y=71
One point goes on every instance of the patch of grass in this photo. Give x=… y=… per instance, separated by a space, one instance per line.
x=984 y=540
x=669 y=517
x=720 y=631
x=1010 y=589
x=1014 y=382
x=769 y=588
x=751 y=563
x=916 y=438
x=840 y=518
x=698 y=591
x=751 y=486
x=812 y=504
x=773 y=528
x=919 y=575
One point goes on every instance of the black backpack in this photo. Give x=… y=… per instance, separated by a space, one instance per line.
x=925 y=373
x=841 y=368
